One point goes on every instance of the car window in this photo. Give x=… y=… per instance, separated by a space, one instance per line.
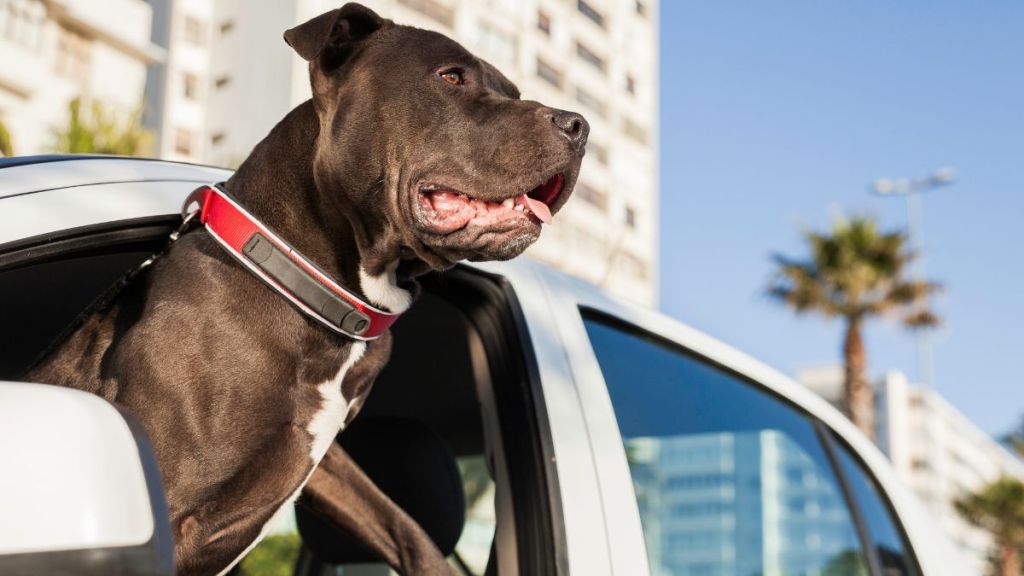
x=886 y=538
x=729 y=480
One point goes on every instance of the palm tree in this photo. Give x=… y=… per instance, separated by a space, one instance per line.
x=6 y=148
x=96 y=130
x=999 y=508
x=855 y=273
x=1015 y=439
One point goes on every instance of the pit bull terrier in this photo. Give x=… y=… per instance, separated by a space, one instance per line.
x=412 y=155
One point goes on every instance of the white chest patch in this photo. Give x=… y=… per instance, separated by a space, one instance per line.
x=326 y=423
x=324 y=427
x=383 y=290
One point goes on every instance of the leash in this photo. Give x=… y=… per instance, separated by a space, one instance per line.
x=106 y=297
x=280 y=266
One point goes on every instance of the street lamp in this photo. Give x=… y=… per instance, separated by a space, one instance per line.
x=912 y=190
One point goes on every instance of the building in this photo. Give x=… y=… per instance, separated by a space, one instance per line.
x=55 y=50
x=737 y=503
x=598 y=57
x=177 y=88
x=934 y=448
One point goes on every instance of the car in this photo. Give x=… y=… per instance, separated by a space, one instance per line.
x=531 y=422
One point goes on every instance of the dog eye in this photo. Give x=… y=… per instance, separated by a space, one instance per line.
x=453 y=77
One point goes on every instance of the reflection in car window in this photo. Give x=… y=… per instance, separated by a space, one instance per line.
x=474 y=546
x=885 y=537
x=728 y=480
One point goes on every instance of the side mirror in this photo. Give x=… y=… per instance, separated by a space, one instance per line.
x=80 y=491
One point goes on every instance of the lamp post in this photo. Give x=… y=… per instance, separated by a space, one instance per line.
x=911 y=190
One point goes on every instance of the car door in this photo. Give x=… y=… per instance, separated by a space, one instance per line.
x=711 y=463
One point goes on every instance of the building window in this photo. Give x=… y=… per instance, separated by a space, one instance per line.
x=191 y=86
x=630 y=84
x=634 y=131
x=226 y=26
x=630 y=217
x=21 y=22
x=432 y=9
x=591 y=195
x=589 y=57
x=193 y=31
x=543 y=23
x=590 y=12
x=590 y=101
x=72 y=60
x=495 y=43
x=183 y=142
x=641 y=8
x=549 y=73
x=222 y=81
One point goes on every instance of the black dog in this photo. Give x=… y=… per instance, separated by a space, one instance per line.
x=412 y=155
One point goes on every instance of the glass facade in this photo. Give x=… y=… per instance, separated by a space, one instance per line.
x=729 y=480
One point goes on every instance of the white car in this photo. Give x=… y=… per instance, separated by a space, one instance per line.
x=589 y=436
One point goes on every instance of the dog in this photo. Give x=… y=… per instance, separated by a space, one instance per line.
x=411 y=156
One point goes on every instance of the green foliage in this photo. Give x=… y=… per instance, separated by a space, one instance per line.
x=94 y=129
x=6 y=146
x=846 y=563
x=999 y=509
x=854 y=272
x=274 y=556
x=1015 y=439
x=475 y=479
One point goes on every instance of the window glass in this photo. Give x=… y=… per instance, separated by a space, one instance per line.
x=474 y=546
x=886 y=538
x=729 y=480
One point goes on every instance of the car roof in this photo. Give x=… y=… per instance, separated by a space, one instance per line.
x=29 y=174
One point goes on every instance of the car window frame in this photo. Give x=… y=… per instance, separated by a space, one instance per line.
x=821 y=431
x=924 y=544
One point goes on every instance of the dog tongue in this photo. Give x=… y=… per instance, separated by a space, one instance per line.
x=539 y=209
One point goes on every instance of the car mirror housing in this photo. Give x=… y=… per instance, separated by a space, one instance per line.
x=80 y=490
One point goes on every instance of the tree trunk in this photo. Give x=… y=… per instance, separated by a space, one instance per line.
x=1009 y=559
x=858 y=399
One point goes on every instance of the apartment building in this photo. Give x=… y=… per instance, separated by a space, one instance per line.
x=936 y=451
x=597 y=57
x=55 y=50
x=177 y=89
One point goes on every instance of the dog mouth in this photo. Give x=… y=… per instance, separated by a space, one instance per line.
x=447 y=210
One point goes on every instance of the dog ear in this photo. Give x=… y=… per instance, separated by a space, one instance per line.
x=333 y=29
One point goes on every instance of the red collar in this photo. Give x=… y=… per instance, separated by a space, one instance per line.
x=284 y=269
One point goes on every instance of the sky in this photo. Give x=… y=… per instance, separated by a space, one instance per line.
x=777 y=116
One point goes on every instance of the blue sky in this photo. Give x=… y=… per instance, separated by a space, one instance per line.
x=777 y=115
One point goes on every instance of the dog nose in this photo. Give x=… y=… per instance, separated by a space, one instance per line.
x=574 y=126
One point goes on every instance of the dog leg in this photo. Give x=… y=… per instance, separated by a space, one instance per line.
x=212 y=536
x=342 y=492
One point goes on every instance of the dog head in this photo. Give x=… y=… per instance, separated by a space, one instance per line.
x=430 y=144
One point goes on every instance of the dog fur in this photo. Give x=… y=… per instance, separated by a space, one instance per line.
x=240 y=393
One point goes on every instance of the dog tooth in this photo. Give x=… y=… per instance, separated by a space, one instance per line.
x=509 y=202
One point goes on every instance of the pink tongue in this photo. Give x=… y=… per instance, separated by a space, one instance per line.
x=539 y=209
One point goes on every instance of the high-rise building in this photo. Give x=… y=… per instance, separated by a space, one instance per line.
x=597 y=57
x=935 y=450
x=737 y=503
x=177 y=88
x=55 y=50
